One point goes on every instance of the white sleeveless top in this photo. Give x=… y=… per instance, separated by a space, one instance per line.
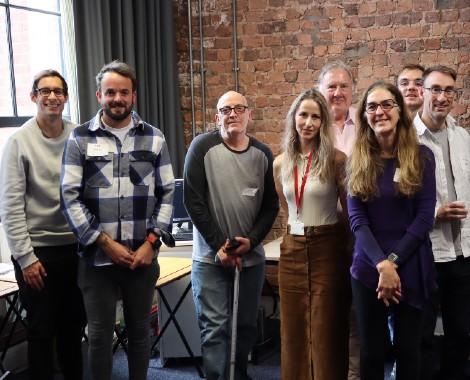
x=319 y=201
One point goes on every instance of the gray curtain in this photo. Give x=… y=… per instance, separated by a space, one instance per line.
x=140 y=33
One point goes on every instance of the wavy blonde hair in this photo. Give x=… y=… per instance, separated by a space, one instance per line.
x=366 y=164
x=323 y=159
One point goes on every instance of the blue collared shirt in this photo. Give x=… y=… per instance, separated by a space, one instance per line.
x=124 y=189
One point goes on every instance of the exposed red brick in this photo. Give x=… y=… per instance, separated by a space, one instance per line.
x=351 y=21
x=432 y=43
x=386 y=6
x=465 y=15
x=258 y=4
x=367 y=8
x=415 y=45
x=398 y=45
x=449 y=43
x=432 y=17
x=320 y=51
x=380 y=34
x=407 y=32
x=283 y=44
x=365 y=22
x=383 y=20
x=404 y=5
x=272 y=40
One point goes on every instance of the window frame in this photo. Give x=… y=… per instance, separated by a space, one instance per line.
x=15 y=120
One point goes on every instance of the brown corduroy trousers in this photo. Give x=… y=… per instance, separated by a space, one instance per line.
x=315 y=295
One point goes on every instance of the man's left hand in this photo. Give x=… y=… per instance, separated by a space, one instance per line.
x=143 y=256
x=243 y=248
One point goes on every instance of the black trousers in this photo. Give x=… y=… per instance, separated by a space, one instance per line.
x=55 y=313
x=372 y=321
x=453 y=298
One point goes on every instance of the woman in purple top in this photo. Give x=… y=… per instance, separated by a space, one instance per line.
x=391 y=200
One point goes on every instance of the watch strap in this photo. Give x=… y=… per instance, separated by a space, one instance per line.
x=154 y=240
x=393 y=257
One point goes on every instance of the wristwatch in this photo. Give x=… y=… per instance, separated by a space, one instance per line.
x=393 y=257
x=154 y=240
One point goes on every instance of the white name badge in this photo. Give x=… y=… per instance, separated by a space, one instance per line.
x=249 y=192
x=297 y=228
x=94 y=150
x=396 y=177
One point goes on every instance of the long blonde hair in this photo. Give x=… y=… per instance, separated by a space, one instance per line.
x=366 y=164
x=322 y=162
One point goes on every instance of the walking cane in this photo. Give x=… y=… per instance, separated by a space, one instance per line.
x=233 y=351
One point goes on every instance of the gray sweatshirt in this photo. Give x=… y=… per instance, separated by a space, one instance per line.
x=29 y=191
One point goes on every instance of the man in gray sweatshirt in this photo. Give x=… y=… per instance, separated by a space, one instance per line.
x=229 y=192
x=43 y=247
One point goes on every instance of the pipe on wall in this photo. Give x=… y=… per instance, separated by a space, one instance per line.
x=235 y=46
x=190 y=37
x=203 y=96
x=202 y=69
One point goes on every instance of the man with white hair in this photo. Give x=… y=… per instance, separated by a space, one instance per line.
x=336 y=83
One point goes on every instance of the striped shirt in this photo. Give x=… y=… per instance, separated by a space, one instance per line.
x=459 y=148
x=124 y=190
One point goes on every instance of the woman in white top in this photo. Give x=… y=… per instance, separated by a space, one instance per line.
x=314 y=282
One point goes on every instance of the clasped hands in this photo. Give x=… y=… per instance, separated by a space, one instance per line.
x=389 y=286
x=121 y=255
x=232 y=258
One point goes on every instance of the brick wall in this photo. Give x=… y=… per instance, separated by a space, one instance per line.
x=282 y=45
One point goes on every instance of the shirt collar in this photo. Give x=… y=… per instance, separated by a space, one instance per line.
x=95 y=123
x=421 y=127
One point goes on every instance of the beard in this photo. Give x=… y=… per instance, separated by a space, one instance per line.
x=109 y=110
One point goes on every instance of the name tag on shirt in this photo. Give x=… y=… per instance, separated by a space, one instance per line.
x=297 y=228
x=396 y=177
x=94 y=150
x=249 y=192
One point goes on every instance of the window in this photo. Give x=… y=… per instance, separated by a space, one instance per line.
x=34 y=35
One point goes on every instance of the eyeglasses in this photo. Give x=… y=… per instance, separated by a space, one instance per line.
x=239 y=109
x=448 y=92
x=406 y=82
x=386 y=105
x=59 y=92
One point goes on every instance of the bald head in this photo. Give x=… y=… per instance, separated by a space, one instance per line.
x=233 y=114
x=231 y=96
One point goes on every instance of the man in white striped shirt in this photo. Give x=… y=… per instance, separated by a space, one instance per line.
x=451 y=233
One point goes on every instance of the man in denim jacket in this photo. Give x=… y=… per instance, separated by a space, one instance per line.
x=117 y=189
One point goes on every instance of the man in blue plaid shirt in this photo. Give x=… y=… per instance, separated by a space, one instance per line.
x=117 y=189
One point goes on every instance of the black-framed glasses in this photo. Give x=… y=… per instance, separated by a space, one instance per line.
x=239 y=109
x=386 y=105
x=448 y=92
x=47 y=91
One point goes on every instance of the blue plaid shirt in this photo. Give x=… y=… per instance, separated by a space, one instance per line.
x=124 y=189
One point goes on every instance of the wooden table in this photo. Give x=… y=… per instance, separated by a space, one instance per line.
x=172 y=269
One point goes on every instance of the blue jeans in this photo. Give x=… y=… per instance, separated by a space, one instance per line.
x=100 y=292
x=212 y=292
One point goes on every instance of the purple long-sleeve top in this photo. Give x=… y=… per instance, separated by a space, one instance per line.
x=393 y=222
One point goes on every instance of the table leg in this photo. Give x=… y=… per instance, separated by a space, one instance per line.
x=178 y=328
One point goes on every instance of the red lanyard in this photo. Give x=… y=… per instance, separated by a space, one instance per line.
x=298 y=199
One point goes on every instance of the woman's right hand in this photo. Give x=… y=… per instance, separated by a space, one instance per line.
x=389 y=286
